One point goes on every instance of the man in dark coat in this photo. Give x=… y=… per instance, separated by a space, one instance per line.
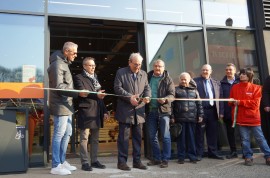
x=208 y=88
x=132 y=85
x=91 y=111
x=225 y=110
x=159 y=111
x=61 y=106
x=265 y=109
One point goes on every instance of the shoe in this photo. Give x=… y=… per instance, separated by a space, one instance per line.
x=98 y=165
x=68 y=166
x=199 y=158
x=139 y=166
x=153 y=163
x=86 y=167
x=180 y=161
x=123 y=166
x=267 y=161
x=232 y=155
x=248 y=162
x=164 y=164
x=193 y=161
x=60 y=170
x=216 y=157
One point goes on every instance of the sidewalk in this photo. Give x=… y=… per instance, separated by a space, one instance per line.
x=204 y=169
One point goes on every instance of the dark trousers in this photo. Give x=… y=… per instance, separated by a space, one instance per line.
x=230 y=134
x=186 y=142
x=123 y=142
x=210 y=126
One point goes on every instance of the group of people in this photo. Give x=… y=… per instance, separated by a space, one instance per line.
x=152 y=98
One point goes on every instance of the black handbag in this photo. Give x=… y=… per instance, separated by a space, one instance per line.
x=175 y=130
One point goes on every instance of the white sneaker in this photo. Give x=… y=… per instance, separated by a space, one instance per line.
x=68 y=166
x=60 y=170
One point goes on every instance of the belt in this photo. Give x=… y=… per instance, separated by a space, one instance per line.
x=209 y=107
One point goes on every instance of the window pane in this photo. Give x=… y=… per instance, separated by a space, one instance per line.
x=126 y=9
x=231 y=46
x=174 y=11
x=182 y=48
x=217 y=12
x=23 y=5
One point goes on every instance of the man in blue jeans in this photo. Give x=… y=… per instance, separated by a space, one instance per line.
x=159 y=111
x=61 y=106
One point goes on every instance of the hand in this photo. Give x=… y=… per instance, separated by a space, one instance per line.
x=161 y=100
x=101 y=94
x=200 y=119
x=146 y=100
x=221 y=116
x=133 y=100
x=267 y=109
x=106 y=116
x=172 y=120
x=84 y=93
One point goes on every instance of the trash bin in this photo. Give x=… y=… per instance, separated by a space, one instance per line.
x=13 y=140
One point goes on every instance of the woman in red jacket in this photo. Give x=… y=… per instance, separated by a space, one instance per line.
x=247 y=97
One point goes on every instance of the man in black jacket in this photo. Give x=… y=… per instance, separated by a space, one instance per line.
x=159 y=111
x=90 y=113
x=225 y=110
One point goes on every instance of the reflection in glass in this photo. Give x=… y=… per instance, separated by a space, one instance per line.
x=231 y=46
x=127 y=9
x=23 y=5
x=217 y=12
x=22 y=65
x=174 y=11
x=182 y=48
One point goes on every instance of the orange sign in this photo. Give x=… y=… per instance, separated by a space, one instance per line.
x=21 y=90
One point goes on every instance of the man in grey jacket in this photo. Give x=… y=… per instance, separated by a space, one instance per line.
x=132 y=84
x=60 y=105
x=159 y=111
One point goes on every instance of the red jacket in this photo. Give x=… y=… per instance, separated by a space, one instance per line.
x=249 y=96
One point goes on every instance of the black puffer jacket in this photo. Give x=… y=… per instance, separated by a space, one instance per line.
x=187 y=111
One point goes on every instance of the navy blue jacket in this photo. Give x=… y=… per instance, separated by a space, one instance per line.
x=225 y=88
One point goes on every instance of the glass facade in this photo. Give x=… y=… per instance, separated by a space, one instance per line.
x=175 y=11
x=226 y=13
x=172 y=31
x=129 y=9
x=21 y=68
x=181 y=47
x=23 y=5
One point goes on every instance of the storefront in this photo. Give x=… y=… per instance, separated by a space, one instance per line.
x=185 y=33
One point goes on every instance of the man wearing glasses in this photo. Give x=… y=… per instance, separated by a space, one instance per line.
x=132 y=85
x=159 y=112
x=61 y=106
x=91 y=112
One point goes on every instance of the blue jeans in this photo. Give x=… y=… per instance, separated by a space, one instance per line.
x=62 y=132
x=187 y=140
x=155 y=122
x=258 y=135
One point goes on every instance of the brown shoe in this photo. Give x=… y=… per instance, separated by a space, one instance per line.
x=153 y=163
x=248 y=162
x=123 y=166
x=267 y=161
x=164 y=164
x=139 y=166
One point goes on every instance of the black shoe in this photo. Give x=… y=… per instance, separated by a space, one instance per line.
x=86 y=167
x=216 y=157
x=139 y=166
x=193 y=161
x=153 y=163
x=164 y=164
x=123 y=166
x=180 y=161
x=232 y=155
x=199 y=158
x=98 y=165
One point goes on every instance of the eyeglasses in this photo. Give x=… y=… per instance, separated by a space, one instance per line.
x=74 y=53
x=136 y=64
x=157 y=66
x=90 y=65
